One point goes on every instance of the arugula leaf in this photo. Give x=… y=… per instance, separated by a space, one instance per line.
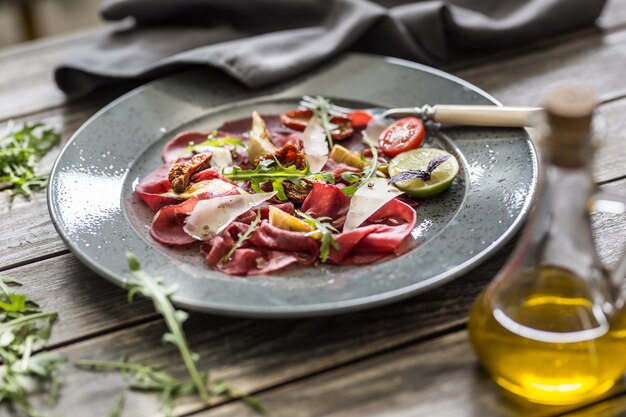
x=24 y=329
x=419 y=174
x=150 y=378
x=322 y=112
x=350 y=177
x=116 y=411
x=242 y=238
x=20 y=151
x=153 y=289
x=213 y=140
x=272 y=170
x=143 y=378
x=368 y=174
x=324 y=229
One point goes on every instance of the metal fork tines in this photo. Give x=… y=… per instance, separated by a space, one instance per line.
x=312 y=103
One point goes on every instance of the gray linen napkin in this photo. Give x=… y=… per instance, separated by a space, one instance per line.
x=265 y=41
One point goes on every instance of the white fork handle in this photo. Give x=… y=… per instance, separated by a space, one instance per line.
x=473 y=115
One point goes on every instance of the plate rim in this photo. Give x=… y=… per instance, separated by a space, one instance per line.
x=317 y=309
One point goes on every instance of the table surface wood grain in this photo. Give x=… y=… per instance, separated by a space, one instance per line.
x=409 y=358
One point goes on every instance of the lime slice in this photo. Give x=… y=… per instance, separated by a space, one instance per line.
x=417 y=159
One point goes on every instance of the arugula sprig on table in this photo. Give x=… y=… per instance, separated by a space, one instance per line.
x=324 y=229
x=20 y=151
x=144 y=378
x=149 y=378
x=272 y=170
x=24 y=328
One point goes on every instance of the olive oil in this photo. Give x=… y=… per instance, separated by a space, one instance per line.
x=548 y=342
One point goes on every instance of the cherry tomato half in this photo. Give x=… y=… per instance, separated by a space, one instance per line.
x=298 y=119
x=360 y=119
x=402 y=135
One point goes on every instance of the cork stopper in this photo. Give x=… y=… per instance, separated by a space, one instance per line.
x=568 y=115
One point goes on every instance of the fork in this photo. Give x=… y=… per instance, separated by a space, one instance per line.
x=470 y=115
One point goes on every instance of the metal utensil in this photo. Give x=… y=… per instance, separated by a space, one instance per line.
x=469 y=115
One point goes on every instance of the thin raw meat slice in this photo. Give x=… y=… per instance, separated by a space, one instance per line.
x=153 y=185
x=381 y=235
x=249 y=216
x=176 y=147
x=167 y=226
x=168 y=223
x=326 y=200
x=338 y=168
x=268 y=249
x=210 y=174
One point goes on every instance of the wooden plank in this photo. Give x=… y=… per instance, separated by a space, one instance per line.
x=614 y=407
x=87 y=304
x=437 y=378
x=610 y=157
x=256 y=354
x=27 y=85
x=27 y=231
x=610 y=229
x=597 y=60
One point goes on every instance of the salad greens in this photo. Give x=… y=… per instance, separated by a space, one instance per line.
x=242 y=238
x=213 y=140
x=20 y=151
x=149 y=378
x=24 y=328
x=323 y=228
x=368 y=174
x=272 y=170
x=144 y=378
x=322 y=112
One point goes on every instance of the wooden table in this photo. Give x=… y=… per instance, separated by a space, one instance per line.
x=410 y=358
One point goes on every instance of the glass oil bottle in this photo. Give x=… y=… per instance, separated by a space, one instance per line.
x=550 y=327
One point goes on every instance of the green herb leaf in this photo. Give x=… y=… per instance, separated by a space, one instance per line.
x=350 y=177
x=368 y=174
x=242 y=238
x=322 y=112
x=20 y=151
x=144 y=378
x=324 y=228
x=23 y=330
x=153 y=379
x=116 y=411
x=213 y=140
x=272 y=170
x=419 y=174
x=153 y=288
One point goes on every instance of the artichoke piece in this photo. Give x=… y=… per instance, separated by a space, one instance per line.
x=286 y=221
x=341 y=154
x=259 y=143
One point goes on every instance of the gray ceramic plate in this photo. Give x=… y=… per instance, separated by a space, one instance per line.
x=93 y=207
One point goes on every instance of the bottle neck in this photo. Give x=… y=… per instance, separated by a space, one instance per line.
x=563 y=211
x=564 y=237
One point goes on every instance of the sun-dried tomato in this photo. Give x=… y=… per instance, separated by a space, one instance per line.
x=298 y=119
x=288 y=155
x=181 y=172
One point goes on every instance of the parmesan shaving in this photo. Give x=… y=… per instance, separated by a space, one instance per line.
x=210 y=217
x=315 y=145
x=367 y=200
